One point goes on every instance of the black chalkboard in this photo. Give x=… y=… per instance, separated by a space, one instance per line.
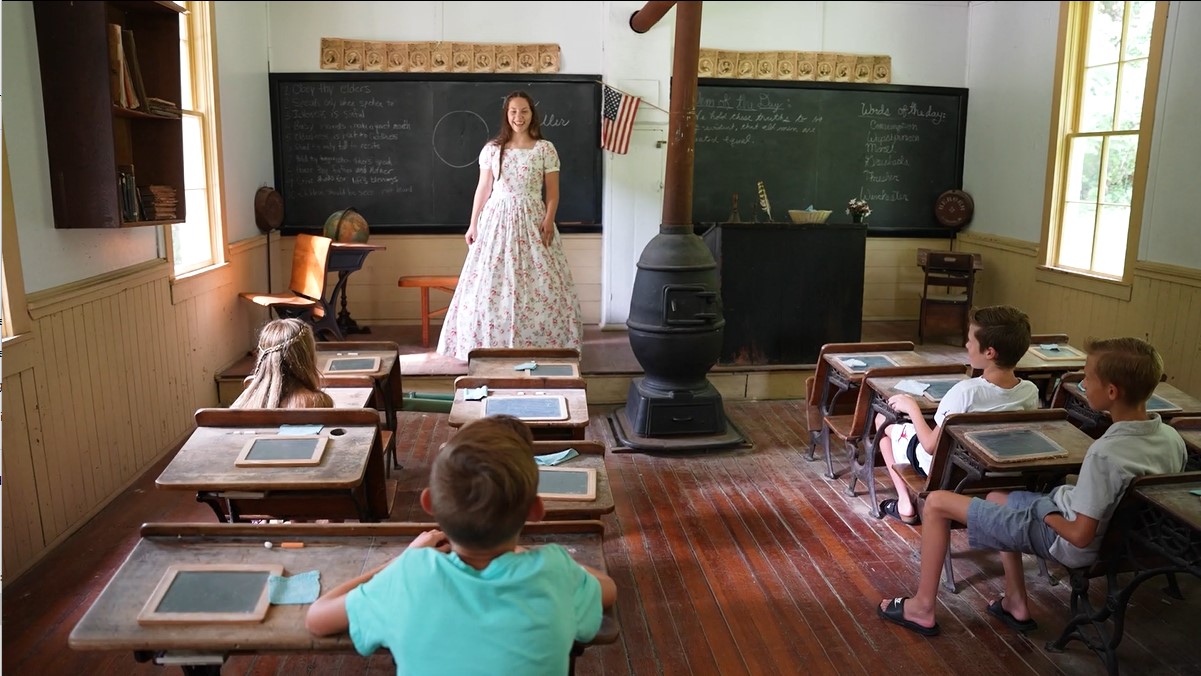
x=870 y=361
x=554 y=370
x=214 y=591
x=938 y=389
x=528 y=408
x=823 y=143
x=403 y=148
x=1014 y=445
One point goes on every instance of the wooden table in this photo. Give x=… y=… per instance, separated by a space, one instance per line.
x=345 y=258
x=498 y=364
x=1040 y=474
x=386 y=378
x=1095 y=422
x=350 y=482
x=591 y=454
x=1043 y=372
x=844 y=379
x=340 y=551
x=574 y=427
x=425 y=283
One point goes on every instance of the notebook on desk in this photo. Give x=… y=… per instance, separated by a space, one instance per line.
x=1016 y=445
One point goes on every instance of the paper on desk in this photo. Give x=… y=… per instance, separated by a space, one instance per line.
x=854 y=362
x=1050 y=346
x=912 y=386
x=527 y=366
x=556 y=458
x=475 y=393
x=299 y=430
x=299 y=588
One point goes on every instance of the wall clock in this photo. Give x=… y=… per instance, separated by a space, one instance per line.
x=954 y=208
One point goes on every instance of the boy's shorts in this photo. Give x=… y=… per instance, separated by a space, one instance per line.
x=901 y=434
x=1017 y=526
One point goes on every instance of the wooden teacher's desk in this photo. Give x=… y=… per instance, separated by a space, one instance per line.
x=350 y=481
x=574 y=426
x=339 y=551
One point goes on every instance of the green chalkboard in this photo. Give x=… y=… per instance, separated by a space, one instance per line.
x=283 y=451
x=567 y=483
x=528 y=408
x=214 y=591
x=870 y=361
x=823 y=143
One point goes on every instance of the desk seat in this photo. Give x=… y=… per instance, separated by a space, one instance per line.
x=425 y=283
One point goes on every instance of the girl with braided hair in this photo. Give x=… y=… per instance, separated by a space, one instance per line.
x=285 y=375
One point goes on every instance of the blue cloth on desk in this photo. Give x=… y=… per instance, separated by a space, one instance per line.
x=556 y=458
x=299 y=588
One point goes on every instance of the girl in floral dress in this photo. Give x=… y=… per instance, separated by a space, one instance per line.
x=515 y=289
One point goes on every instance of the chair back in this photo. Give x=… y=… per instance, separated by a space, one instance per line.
x=309 y=258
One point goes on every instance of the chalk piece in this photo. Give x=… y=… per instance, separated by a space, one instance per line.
x=291 y=545
x=268 y=545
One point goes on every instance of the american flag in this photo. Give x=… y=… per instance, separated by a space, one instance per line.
x=617 y=119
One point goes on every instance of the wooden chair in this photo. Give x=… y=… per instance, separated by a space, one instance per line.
x=305 y=298
x=820 y=401
x=1190 y=427
x=1118 y=556
x=944 y=474
x=373 y=497
x=947 y=292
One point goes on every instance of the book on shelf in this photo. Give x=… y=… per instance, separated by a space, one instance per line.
x=134 y=70
x=159 y=202
x=161 y=107
x=131 y=208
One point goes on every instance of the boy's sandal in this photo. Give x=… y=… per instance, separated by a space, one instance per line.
x=889 y=508
x=895 y=613
x=996 y=609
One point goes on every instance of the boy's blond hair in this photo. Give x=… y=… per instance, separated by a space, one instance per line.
x=286 y=365
x=1004 y=328
x=1131 y=364
x=483 y=483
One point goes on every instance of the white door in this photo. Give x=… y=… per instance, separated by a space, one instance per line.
x=635 y=183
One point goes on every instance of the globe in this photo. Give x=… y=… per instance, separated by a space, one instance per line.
x=346 y=225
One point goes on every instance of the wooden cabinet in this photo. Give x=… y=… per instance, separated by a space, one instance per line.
x=788 y=289
x=90 y=138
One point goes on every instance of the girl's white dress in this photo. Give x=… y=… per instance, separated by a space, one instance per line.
x=513 y=290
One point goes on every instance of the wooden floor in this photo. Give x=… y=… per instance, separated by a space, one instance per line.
x=732 y=562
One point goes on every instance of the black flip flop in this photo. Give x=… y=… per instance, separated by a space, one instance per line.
x=895 y=613
x=997 y=610
x=889 y=508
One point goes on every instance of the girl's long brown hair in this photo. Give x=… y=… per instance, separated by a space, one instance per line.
x=506 y=131
x=286 y=366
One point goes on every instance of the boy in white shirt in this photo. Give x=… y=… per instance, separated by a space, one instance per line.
x=998 y=336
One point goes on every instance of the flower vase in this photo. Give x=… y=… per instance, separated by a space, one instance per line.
x=856 y=218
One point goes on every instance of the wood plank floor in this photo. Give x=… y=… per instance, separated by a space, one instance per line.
x=732 y=562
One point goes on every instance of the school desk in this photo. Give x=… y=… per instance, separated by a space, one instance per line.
x=1039 y=474
x=552 y=363
x=881 y=389
x=844 y=379
x=1155 y=530
x=346 y=258
x=574 y=426
x=425 y=283
x=350 y=397
x=1190 y=430
x=350 y=481
x=1042 y=370
x=386 y=377
x=1177 y=403
x=339 y=551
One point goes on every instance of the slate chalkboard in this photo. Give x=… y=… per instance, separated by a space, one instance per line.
x=352 y=365
x=870 y=361
x=822 y=143
x=403 y=148
x=567 y=483
x=1016 y=445
x=938 y=389
x=566 y=370
x=528 y=408
x=287 y=451
x=193 y=593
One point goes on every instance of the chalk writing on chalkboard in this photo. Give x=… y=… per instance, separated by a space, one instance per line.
x=283 y=451
x=567 y=483
x=202 y=593
x=1016 y=445
x=820 y=144
x=528 y=408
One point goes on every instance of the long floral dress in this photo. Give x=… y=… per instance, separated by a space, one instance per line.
x=513 y=290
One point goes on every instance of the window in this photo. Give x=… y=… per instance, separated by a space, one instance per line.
x=14 y=320
x=1110 y=54
x=198 y=242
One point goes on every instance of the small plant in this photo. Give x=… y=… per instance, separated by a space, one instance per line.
x=858 y=207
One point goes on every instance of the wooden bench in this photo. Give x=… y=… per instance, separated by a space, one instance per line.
x=425 y=283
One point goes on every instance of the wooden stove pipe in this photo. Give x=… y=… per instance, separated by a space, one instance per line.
x=681 y=128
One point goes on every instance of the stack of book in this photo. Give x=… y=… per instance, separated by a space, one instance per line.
x=161 y=107
x=158 y=202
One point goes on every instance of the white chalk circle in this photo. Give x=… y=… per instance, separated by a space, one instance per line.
x=458 y=138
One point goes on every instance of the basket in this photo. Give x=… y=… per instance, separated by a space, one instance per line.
x=800 y=216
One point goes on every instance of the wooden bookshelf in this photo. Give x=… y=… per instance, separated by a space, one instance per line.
x=89 y=133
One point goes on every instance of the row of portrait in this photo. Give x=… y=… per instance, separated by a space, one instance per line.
x=815 y=66
x=437 y=57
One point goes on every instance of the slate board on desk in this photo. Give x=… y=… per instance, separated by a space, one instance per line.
x=567 y=483
x=1158 y=404
x=870 y=361
x=283 y=451
x=528 y=408
x=553 y=370
x=403 y=148
x=822 y=143
x=1057 y=353
x=191 y=593
x=352 y=365
x=938 y=389
x=1016 y=445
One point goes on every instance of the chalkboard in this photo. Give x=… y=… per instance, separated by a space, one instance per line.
x=1016 y=445
x=282 y=451
x=870 y=361
x=1054 y=352
x=210 y=593
x=554 y=370
x=352 y=365
x=938 y=389
x=403 y=148
x=528 y=408
x=823 y=143
x=567 y=483
x=1159 y=404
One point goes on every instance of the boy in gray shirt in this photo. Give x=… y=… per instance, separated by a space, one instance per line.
x=1068 y=523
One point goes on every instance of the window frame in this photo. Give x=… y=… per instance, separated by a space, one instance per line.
x=16 y=321
x=1066 y=101
x=202 y=62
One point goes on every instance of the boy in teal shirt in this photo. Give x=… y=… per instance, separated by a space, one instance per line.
x=466 y=599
